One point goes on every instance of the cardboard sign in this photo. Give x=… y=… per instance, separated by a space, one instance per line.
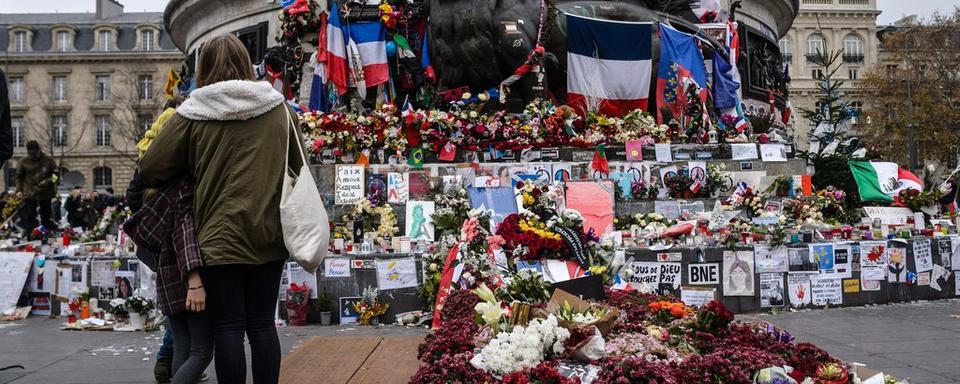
x=851 y=285
x=398 y=187
x=773 y=152
x=348 y=185
x=798 y=285
x=697 y=296
x=396 y=273
x=888 y=215
x=703 y=274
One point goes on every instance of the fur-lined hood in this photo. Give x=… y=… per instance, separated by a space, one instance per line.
x=230 y=101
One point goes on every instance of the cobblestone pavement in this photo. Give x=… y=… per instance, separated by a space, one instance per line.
x=920 y=341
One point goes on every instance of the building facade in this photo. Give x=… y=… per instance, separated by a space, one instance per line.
x=85 y=86
x=828 y=25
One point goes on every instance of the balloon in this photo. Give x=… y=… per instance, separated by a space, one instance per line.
x=391 y=49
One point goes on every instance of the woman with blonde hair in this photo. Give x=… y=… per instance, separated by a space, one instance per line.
x=231 y=136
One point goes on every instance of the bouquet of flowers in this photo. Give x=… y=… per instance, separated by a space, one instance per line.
x=380 y=219
x=917 y=200
x=118 y=308
x=642 y=222
x=369 y=306
x=644 y=190
x=139 y=304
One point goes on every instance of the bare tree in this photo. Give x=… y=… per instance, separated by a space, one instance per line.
x=57 y=144
x=133 y=103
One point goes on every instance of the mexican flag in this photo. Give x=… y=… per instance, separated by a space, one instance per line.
x=881 y=181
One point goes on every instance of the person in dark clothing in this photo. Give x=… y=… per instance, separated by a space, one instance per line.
x=36 y=182
x=56 y=205
x=6 y=131
x=74 y=207
x=109 y=199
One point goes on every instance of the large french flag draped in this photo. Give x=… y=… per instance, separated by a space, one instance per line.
x=608 y=65
x=372 y=45
x=681 y=65
x=335 y=53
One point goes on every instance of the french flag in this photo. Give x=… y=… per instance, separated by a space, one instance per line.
x=681 y=65
x=607 y=72
x=335 y=54
x=372 y=46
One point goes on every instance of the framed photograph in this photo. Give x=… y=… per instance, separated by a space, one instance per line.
x=347 y=314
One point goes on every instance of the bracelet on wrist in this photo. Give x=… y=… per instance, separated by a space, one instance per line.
x=194 y=288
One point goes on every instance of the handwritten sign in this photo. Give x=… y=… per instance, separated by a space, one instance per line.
x=336 y=267
x=922 y=254
x=643 y=273
x=826 y=291
x=703 y=274
x=348 y=186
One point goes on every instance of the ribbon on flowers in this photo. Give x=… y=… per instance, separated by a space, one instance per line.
x=446 y=280
x=572 y=239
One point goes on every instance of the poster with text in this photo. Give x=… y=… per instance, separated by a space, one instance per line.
x=738 y=273
x=398 y=188
x=945 y=251
x=348 y=185
x=396 y=273
x=922 y=254
x=897 y=264
x=841 y=263
x=419 y=220
x=798 y=286
x=336 y=267
x=643 y=276
x=826 y=291
x=771 y=290
x=771 y=260
x=823 y=254
x=873 y=254
x=703 y=273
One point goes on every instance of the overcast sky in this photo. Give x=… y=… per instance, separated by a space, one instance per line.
x=893 y=10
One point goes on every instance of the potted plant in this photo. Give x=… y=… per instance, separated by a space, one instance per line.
x=324 y=306
x=138 y=308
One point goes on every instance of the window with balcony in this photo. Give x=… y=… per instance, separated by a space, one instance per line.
x=16 y=90
x=102 y=178
x=20 y=41
x=103 y=87
x=16 y=126
x=145 y=85
x=816 y=45
x=59 y=88
x=105 y=38
x=58 y=125
x=852 y=49
x=146 y=40
x=103 y=130
x=786 y=49
x=63 y=41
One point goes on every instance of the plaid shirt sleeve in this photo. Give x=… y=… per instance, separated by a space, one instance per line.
x=184 y=233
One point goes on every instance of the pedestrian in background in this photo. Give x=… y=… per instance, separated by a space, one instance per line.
x=232 y=137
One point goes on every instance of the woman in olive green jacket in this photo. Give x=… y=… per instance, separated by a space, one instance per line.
x=231 y=136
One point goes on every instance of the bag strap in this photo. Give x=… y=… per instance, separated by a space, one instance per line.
x=291 y=130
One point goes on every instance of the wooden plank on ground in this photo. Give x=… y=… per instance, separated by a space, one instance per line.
x=393 y=362
x=328 y=360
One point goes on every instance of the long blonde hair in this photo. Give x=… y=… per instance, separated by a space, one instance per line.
x=223 y=58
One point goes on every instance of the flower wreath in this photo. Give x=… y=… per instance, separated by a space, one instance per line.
x=378 y=218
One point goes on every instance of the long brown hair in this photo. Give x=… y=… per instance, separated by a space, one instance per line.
x=223 y=58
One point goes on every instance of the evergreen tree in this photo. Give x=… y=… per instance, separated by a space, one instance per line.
x=830 y=144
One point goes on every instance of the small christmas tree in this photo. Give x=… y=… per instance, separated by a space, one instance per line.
x=830 y=144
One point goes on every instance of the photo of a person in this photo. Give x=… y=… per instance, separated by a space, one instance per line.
x=124 y=288
x=776 y=294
